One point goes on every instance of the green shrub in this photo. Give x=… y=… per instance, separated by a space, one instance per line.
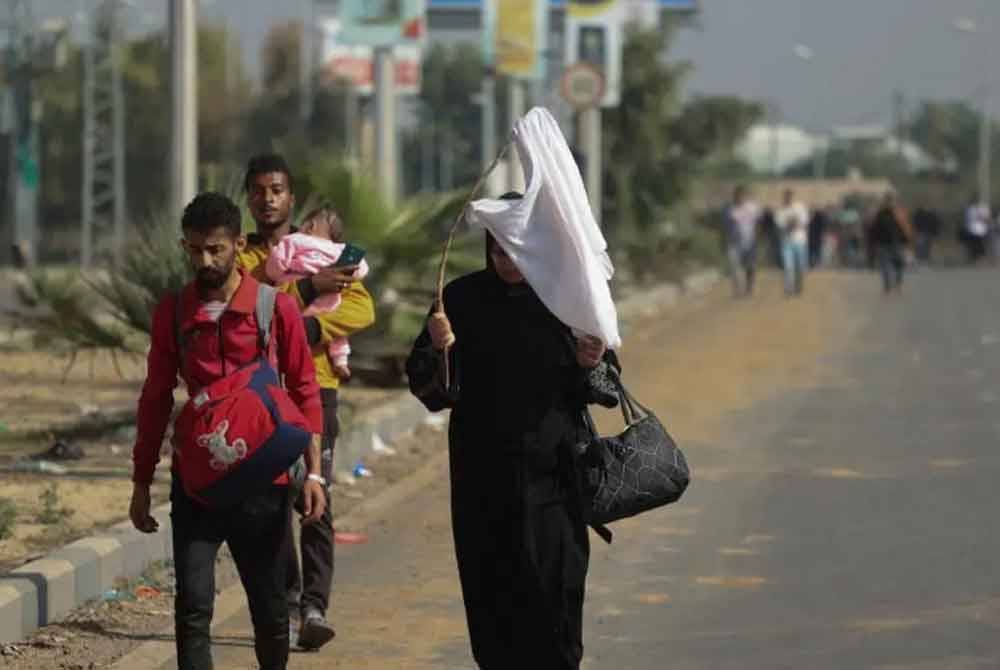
x=51 y=513
x=8 y=518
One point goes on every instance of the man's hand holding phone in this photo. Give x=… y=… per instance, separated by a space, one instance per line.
x=338 y=277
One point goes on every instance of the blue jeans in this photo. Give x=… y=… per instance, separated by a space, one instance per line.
x=794 y=260
x=891 y=264
x=742 y=266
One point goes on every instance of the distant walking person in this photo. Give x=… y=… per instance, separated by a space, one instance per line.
x=270 y=191
x=888 y=237
x=741 y=219
x=976 y=230
x=792 y=219
x=818 y=226
x=927 y=225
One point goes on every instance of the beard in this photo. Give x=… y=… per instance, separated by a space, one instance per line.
x=212 y=279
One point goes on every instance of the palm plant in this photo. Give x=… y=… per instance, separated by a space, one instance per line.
x=64 y=315
x=404 y=244
x=113 y=309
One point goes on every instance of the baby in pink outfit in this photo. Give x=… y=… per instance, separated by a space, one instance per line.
x=318 y=245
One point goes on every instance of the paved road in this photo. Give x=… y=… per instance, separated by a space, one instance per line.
x=854 y=524
x=842 y=516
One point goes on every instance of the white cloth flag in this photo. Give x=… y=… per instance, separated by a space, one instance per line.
x=551 y=234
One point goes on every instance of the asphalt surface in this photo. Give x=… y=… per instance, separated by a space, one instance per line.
x=853 y=524
x=844 y=522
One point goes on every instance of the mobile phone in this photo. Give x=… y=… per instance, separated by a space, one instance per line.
x=351 y=255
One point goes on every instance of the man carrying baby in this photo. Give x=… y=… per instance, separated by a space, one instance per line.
x=271 y=199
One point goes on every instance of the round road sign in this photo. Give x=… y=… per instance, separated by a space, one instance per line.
x=582 y=86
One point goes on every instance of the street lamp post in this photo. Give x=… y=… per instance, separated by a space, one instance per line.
x=184 y=135
x=806 y=54
x=968 y=26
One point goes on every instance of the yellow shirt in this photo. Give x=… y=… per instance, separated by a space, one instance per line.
x=356 y=311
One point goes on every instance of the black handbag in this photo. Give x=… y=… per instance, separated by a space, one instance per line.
x=639 y=470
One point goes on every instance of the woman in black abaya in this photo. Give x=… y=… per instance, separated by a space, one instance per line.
x=517 y=392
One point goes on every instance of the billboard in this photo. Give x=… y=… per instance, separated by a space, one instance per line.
x=515 y=37
x=594 y=36
x=382 y=23
x=356 y=64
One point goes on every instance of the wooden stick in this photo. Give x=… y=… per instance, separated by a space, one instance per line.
x=439 y=300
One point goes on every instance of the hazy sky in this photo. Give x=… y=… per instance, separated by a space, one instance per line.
x=862 y=49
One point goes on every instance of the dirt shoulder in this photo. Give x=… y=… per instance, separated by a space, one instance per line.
x=88 y=406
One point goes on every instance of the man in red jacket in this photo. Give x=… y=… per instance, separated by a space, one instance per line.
x=217 y=321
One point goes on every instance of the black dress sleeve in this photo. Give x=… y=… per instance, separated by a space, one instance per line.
x=425 y=371
x=594 y=386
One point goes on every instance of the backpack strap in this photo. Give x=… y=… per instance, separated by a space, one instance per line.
x=264 y=311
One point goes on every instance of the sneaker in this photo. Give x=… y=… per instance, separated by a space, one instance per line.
x=316 y=631
x=293 y=633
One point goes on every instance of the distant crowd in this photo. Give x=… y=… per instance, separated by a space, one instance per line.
x=797 y=238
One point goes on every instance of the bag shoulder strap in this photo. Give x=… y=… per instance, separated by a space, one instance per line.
x=264 y=312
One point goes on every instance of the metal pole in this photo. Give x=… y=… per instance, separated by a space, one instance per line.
x=23 y=168
x=515 y=99
x=87 y=190
x=590 y=130
x=985 y=186
x=118 y=140
x=489 y=122
x=385 y=123
x=184 y=135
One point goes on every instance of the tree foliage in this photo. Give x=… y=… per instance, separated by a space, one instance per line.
x=657 y=144
x=946 y=131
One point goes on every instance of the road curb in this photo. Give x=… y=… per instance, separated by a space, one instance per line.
x=45 y=590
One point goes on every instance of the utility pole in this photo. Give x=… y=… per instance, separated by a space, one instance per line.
x=184 y=117
x=385 y=122
x=516 y=104
x=21 y=127
x=103 y=196
x=590 y=135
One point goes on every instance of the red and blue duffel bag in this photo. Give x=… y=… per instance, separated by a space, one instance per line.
x=236 y=436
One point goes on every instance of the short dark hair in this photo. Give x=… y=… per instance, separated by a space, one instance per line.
x=264 y=164
x=209 y=211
